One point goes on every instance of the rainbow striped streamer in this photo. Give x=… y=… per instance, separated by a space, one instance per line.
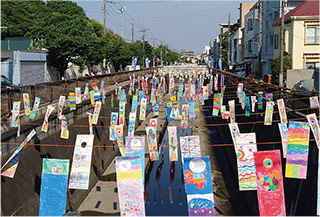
x=122 y=108
x=60 y=106
x=152 y=143
x=64 y=128
x=10 y=166
x=54 y=186
x=282 y=111
x=72 y=101
x=297 y=150
x=269 y=113
x=92 y=98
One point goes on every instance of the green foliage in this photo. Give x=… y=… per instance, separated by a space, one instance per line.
x=275 y=68
x=224 y=50
x=63 y=28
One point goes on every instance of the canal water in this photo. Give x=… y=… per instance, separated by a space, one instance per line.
x=165 y=194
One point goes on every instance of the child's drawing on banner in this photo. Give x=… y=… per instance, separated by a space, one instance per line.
x=314 y=102
x=132 y=124
x=232 y=111
x=184 y=120
x=60 y=106
x=90 y=123
x=268 y=113
x=26 y=103
x=190 y=146
x=155 y=109
x=119 y=136
x=92 y=98
x=78 y=95
x=64 y=128
x=15 y=114
x=35 y=108
x=81 y=163
x=86 y=92
x=247 y=106
x=153 y=122
x=152 y=143
x=72 y=101
x=46 y=118
x=282 y=111
x=96 y=112
x=260 y=101
x=143 y=109
x=130 y=188
x=253 y=103
x=113 y=122
x=122 y=108
x=284 y=138
x=314 y=125
x=217 y=102
x=173 y=143
x=234 y=130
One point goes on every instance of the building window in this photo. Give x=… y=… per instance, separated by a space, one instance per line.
x=249 y=46
x=276 y=41
x=313 y=35
x=313 y=65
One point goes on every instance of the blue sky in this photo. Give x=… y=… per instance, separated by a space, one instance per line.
x=180 y=24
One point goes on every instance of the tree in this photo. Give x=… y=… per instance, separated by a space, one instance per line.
x=275 y=68
x=224 y=50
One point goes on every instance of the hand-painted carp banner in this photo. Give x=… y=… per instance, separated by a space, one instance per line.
x=132 y=124
x=10 y=166
x=90 y=123
x=136 y=146
x=60 y=106
x=314 y=102
x=134 y=105
x=153 y=122
x=232 y=111
x=173 y=143
x=246 y=146
x=260 y=101
x=78 y=95
x=96 y=112
x=72 y=101
x=198 y=186
x=185 y=116
x=284 y=138
x=152 y=143
x=26 y=103
x=155 y=109
x=270 y=183
x=313 y=122
x=122 y=108
x=192 y=110
x=247 y=106
x=35 y=108
x=113 y=122
x=54 y=186
x=190 y=146
x=234 y=130
x=297 y=150
x=205 y=92
x=81 y=164
x=15 y=114
x=92 y=98
x=86 y=92
x=130 y=188
x=253 y=103
x=64 y=128
x=217 y=102
x=118 y=129
x=282 y=111
x=143 y=109
x=269 y=113
x=46 y=118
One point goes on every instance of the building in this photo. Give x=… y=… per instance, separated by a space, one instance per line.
x=250 y=39
x=186 y=54
x=270 y=13
x=302 y=35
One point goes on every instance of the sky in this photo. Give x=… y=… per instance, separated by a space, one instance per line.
x=179 y=24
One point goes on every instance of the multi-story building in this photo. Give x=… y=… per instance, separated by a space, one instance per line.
x=250 y=39
x=185 y=54
x=270 y=13
x=302 y=35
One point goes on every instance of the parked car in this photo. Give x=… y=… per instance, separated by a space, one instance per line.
x=5 y=82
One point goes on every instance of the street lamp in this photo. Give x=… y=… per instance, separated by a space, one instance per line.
x=121 y=11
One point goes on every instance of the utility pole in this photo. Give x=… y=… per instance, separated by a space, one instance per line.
x=104 y=17
x=143 y=32
x=281 y=45
x=132 y=31
x=260 y=41
x=228 y=44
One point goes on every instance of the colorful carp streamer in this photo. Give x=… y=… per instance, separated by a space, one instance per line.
x=90 y=123
x=81 y=164
x=314 y=125
x=132 y=124
x=10 y=166
x=297 y=150
x=282 y=111
x=130 y=188
x=64 y=128
x=269 y=113
x=26 y=103
x=198 y=186
x=86 y=92
x=15 y=114
x=96 y=112
x=46 y=118
x=35 y=108
x=270 y=183
x=184 y=115
x=113 y=122
x=234 y=130
x=314 y=102
x=152 y=143
x=60 y=106
x=260 y=100
x=247 y=106
x=54 y=186
x=232 y=111
x=143 y=109
x=78 y=95
x=253 y=103
x=118 y=129
x=173 y=143
x=122 y=108
x=217 y=102
x=284 y=137
x=246 y=146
